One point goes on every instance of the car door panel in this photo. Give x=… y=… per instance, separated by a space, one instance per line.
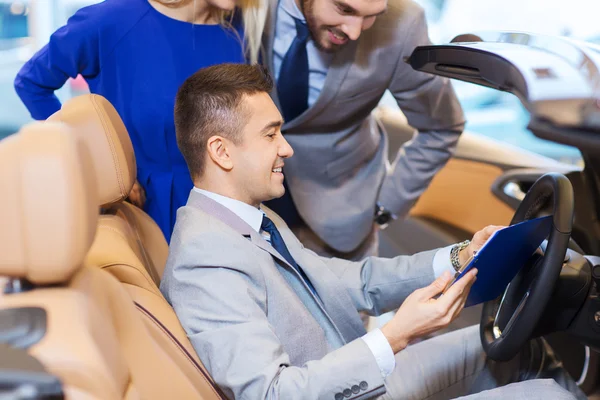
x=460 y=195
x=480 y=185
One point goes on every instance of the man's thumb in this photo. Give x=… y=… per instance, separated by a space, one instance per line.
x=437 y=286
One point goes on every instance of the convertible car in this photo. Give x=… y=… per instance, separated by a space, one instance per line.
x=81 y=316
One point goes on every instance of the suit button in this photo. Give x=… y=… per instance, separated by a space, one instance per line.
x=339 y=396
x=347 y=393
x=355 y=389
x=364 y=385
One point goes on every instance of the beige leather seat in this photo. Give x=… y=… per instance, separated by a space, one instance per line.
x=126 y=236
x=103 y=131
x=93 y=339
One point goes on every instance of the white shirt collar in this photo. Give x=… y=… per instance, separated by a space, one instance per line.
x=251 y=215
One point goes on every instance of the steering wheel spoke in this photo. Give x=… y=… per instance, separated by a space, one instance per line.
x=515 y=315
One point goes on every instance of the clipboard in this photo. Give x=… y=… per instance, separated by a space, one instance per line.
x=502 y=257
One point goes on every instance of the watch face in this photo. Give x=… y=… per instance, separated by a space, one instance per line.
x=383 y=218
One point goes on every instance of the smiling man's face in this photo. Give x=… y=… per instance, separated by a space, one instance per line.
x=259 y=158
x=332 y=23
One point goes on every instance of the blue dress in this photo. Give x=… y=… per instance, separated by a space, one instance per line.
x=136 y=58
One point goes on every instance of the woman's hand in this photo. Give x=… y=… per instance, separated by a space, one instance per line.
x=137 y=196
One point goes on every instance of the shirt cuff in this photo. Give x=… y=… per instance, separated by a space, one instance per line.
x=381 y=349
x=442 y=263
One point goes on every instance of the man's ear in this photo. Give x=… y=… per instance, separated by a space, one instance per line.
x=219 y=152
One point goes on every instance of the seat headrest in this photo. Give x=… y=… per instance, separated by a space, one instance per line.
x=100 y=127
x=49 y=206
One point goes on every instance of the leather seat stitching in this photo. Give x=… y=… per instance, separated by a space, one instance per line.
x=120 y=233
x=131 y=220
x=119 y=264
x=148 y=264
x=115 y=230
x=180 y=347
x=115 y=160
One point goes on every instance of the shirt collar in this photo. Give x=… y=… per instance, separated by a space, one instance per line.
x=291 y=8
x=251 y=215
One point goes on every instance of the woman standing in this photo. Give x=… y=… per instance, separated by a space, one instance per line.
x=136 y=53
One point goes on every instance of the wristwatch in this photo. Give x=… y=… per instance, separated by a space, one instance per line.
x=383 y=216
x=456 y=249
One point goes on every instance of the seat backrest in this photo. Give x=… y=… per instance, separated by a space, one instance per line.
x=86 y=329
x=125 y=233
x=102 y=130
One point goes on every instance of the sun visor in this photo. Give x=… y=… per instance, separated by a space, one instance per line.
x=557 y=79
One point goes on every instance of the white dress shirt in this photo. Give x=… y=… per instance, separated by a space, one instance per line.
x=375 y=340
x=285 y=33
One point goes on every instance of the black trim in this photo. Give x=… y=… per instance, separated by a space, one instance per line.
x=22 y=327
x=183 y=349
x=583 y=137
x=470 y=64
x=18 y=285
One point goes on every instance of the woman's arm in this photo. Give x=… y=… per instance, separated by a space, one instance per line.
x=72 y=50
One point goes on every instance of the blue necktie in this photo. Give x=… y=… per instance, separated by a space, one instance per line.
x=279 y=245
x=292 y=84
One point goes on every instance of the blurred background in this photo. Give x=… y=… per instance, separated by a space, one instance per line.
x=26 y=25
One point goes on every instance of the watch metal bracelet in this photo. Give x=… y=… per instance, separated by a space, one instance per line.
x=454 y=254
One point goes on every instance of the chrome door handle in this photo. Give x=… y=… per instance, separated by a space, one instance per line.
x=513 y=190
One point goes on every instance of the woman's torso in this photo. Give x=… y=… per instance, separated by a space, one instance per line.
x=141 y=73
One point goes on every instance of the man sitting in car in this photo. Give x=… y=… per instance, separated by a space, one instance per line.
x=272 y=320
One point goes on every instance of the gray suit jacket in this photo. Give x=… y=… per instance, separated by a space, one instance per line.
x=255 y=324
x=340 y=167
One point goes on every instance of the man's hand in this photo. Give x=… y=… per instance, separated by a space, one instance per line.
x=137 y=196
x=477 y=242
x=421 y=313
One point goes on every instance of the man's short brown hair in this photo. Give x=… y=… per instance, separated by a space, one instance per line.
x=209 y=103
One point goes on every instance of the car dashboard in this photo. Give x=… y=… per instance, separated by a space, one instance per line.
x=556 y=79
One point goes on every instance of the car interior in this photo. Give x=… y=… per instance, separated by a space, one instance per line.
x=81 y=315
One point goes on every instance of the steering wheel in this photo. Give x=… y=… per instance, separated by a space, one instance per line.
x=508 y=321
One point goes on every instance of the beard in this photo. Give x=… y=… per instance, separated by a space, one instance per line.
x=319 y=34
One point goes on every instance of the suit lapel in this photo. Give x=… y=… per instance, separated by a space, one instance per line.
x=332 y=306
x=228 y=217
x=209 y=206
x=338 y=304
x=258 y=240
x=335 y=302
x=340 y=64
